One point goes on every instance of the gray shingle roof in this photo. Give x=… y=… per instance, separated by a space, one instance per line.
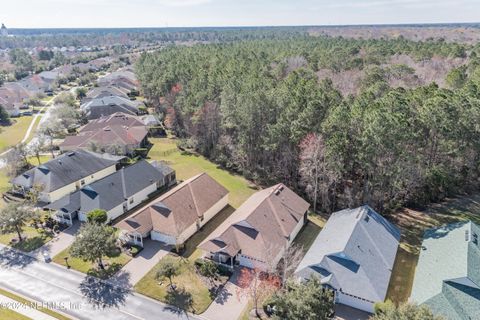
x=108 y=105
x=111 y=191
x=354 y=253
x=64 y=170
x=447 y=277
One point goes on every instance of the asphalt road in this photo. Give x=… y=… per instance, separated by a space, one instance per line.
x=77 y=295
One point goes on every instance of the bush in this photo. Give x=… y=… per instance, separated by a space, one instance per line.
x=97 y=216
x=134 y=250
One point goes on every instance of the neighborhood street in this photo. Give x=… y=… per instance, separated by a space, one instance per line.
x=76 y=295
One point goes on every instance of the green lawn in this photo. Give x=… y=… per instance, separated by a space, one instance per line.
x=189 y=286
x=13 y=134
x=113 y=264
x=12 y=315
x=15 y=297
x=34 y=239
x=188 y=165
x=413 y=225
x=307 y=236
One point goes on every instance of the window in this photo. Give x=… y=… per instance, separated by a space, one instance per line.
x=131 y=200
x=82 y=182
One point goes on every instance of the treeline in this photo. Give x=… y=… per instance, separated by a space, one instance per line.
x=257 y=107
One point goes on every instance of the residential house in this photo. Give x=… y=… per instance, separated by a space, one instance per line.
x=101 y=92
x=13 y=97
x=119 y=134
x=354 y=255
x=178 y=214
x=447 y=276
x=65 y=174
x=101 y=107
x=257 y=234
x=116 y=193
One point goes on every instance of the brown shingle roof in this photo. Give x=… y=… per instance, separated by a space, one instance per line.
x=116 y=119
x=118 y=128
x=178 y=209
x=261 y=226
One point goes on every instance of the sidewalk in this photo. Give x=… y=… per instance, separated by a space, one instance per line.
x=23 y=309
x=62 y=241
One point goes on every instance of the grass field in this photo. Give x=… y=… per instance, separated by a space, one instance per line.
x=15 y=297
x=113 y=264
x=13 y=134
x=34 y=239
x=187 y=165
x=413 y=225
x=12 y=315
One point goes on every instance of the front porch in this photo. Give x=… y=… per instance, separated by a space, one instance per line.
x=222 y=259
x=65 y=217
x=131 y=237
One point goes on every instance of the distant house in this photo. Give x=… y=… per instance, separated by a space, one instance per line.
x=178 y=214
x=118 y=133
x=257 y=234
x=354 y=255
x=101 y=107
x=13 y=98
x=65 y=174
x=447 y=276
x=101 y=92
x=116 y=193
x=124 y=79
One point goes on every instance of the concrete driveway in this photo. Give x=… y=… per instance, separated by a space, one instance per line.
x=139 y=266
x=61 y=242
x=227 y=305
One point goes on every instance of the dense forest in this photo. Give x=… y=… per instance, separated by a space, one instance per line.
x=261 y=108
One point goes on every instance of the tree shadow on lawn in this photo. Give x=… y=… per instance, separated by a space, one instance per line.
x=180 y=301
x=30 y=244
x=106 y=294
x=106 y=273
x=11 y=258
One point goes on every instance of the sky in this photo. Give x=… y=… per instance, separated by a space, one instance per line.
x=194 y=13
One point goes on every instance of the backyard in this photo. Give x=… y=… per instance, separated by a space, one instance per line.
x=188 y=165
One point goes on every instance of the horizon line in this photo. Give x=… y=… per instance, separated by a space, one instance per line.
x=438 y=24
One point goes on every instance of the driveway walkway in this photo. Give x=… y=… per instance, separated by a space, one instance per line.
x=227 y=305
x=23 y=309
x=139 y=266
x=61 y=242
x=77 y=295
